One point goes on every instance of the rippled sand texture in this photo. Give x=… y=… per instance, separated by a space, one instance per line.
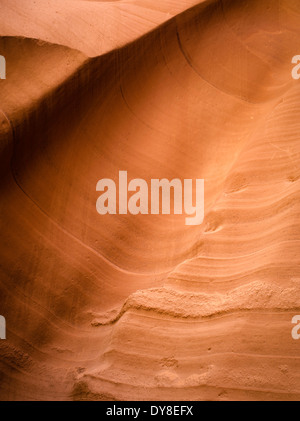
x=144 y=307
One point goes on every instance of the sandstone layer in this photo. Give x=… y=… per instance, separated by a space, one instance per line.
x=128 y=307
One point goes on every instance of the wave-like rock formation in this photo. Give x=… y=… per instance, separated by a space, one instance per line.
x=123 y=307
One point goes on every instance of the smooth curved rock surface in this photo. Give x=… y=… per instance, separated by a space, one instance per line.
x=144 y=307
